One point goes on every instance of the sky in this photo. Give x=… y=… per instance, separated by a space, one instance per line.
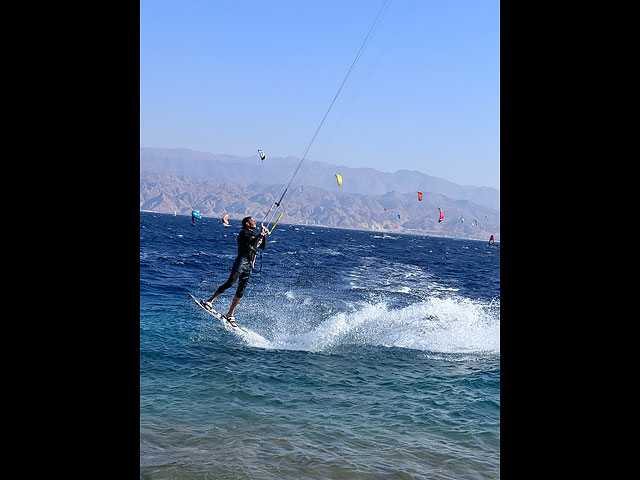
x=235 y=76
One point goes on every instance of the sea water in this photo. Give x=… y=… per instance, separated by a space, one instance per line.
x=367 y=356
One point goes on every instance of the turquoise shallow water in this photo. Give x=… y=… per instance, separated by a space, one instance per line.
x=366 y=357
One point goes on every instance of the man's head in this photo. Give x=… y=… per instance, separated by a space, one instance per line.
x=248 y=222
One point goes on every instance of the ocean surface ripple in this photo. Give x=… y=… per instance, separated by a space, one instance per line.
x=366 y=356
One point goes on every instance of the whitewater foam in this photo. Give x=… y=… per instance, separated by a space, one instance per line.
x=444 y=325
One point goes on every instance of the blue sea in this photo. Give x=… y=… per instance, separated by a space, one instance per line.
x=367 y=356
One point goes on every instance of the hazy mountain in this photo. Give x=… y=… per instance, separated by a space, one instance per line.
x=272 y=171
x=312 y=205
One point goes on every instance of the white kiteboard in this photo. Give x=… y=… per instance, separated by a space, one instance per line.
x=216 y=314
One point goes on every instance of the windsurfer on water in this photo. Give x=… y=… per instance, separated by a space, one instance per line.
x=248 y=244
x=194 y=214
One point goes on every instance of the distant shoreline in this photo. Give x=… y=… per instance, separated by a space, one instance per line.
x=364 y=230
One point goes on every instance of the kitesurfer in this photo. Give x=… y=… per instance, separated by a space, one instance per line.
x=195 y=214
x=248 y=244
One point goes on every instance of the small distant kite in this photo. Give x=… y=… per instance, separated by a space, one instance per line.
x=419 y=195
x=339 y=177
x=262 y=155
x=441 y=215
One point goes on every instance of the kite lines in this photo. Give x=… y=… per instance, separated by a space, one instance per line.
x=271 y=213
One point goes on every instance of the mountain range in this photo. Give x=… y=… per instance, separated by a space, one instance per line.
x=366 y=181
x=165 y=188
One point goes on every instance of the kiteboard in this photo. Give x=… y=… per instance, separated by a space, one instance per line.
x=217 y=314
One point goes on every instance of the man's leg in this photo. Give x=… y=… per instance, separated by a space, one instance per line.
x=242 y=284
x=234 y=304
x=230 y=281
x=214 y=296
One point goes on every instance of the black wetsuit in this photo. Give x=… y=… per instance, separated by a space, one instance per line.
x=247 y=250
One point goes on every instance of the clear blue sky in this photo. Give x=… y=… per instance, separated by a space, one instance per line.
x=235 y=76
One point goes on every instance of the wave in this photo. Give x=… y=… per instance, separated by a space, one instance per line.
x=442 y=325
